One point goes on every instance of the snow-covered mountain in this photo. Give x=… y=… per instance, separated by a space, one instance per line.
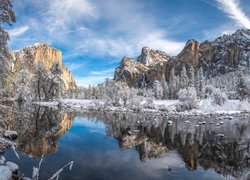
x=225 y=54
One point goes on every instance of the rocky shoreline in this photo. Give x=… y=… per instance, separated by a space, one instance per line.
x=8 y=170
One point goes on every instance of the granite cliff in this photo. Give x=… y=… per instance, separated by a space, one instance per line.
x=224 y=54
x=41 y=52
x=23 y=70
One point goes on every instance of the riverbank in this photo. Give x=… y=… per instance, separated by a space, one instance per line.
x=168 y=107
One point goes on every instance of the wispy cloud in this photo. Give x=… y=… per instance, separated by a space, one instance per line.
x=233 y=10
x=213 y=33
x=18 y=31
x=103 y=72
x=81 y=26
x=74 y=66
x=90 y=80
x=64 y=14
x=95 y=77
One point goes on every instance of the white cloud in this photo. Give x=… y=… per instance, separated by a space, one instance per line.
x=233 y=10
x=64 y=14
x=18 y=31
x=157 y=41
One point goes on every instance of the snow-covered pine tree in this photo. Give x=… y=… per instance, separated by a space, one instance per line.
x=165 y=89
x=241 y=87
x=7 y=16
x=158 y=90
x=191 y=77
x=199 y=82
x=183 y=78
x=172 y=84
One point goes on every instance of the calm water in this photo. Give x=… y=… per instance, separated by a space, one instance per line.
x=127 y=146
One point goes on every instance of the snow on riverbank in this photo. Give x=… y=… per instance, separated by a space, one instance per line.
x=205 y=106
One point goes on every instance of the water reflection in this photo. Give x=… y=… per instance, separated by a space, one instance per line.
x=39 y=128
x=215 y=142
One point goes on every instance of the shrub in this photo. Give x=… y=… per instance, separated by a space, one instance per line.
x=219 y=97
x=188 y=99
x=150 y=104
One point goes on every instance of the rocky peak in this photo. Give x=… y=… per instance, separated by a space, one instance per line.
x=39 y=52
x=190 y=53
x=150 y=57
x=220 y=56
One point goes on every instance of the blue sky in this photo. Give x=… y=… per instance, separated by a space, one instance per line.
x=95 y=34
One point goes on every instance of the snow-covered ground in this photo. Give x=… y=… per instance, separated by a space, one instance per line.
x=205 y=106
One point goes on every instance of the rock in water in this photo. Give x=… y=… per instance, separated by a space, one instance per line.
x=11 y=135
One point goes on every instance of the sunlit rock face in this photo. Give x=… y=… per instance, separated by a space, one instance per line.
x=190 y=53
x=31 y=55
x=224 y=54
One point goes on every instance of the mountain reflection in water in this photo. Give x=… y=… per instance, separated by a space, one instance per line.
x=210 y=143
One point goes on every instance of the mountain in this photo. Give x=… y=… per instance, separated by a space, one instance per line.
x=46 y=54
x=38 y=69
x=225 y=54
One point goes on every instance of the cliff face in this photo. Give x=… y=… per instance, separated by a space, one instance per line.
x=31 y=55
x=150 y=66
x=220 y=56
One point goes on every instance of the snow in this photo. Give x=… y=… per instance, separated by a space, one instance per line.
x=1 y=162
x=230 y=107
x=166 y=102
x=12 y=166
x=73 y=103
x=204 y=107
x=5 y=173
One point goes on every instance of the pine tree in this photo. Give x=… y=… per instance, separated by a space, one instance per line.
x=241 y=87
x=191 y=77
x=183 y=78
x=158 y=90
x=7 y=16
x=172 y=84
x=201 y=81
x=165 y=89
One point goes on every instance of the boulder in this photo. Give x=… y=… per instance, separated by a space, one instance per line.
x=10 y=135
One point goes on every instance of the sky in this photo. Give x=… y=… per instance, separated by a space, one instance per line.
x=94 y=35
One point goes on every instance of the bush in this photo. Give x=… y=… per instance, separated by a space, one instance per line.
x=134 y=104
x=219 y=97
x=150 y=104
x=188 y=99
